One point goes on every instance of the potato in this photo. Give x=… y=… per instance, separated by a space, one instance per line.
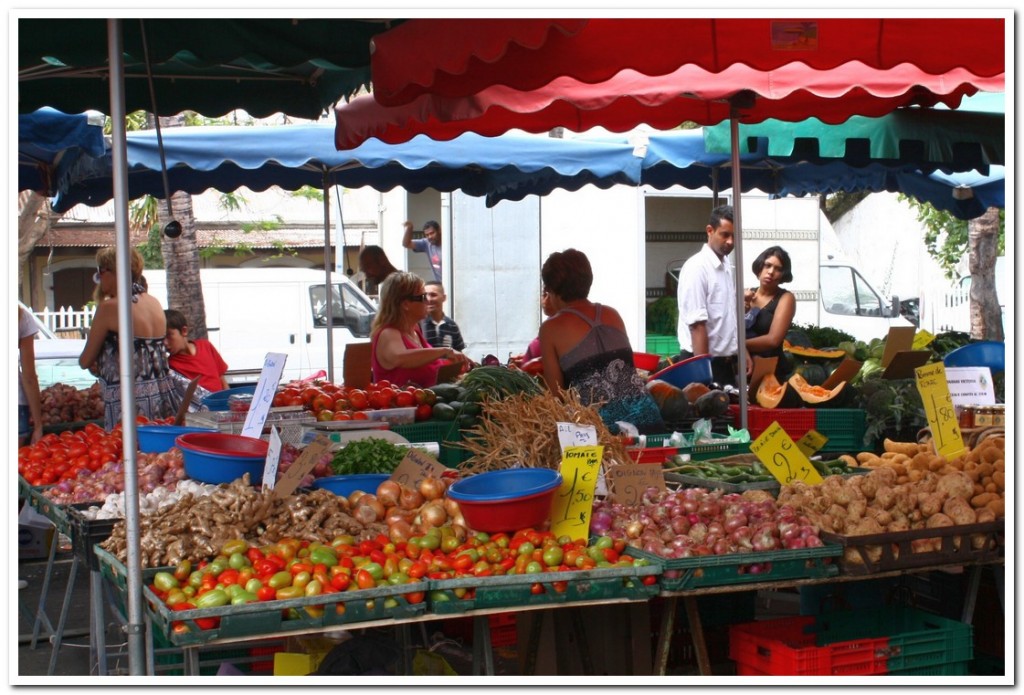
x=998 y=507
x=985 y=516
x=959 y=511
x=867 y=458
x=939 y=520
x=999 y=478
x=984 y=498
x=906 y=448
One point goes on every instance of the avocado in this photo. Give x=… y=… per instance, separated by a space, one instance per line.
x=444 y=411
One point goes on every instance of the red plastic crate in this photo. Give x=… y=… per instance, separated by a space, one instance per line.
x=795 y=421
x=652 y=454
x=786 y=647
x=264 y=665
x=503 y=629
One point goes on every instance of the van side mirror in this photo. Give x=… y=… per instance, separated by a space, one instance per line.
x=895 y=311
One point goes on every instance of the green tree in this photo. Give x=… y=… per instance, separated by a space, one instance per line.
x=946 y=237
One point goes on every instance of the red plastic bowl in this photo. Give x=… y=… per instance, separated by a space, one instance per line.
x=224 y=444
x=506 y=500
x=646 y=361
x=218 y=457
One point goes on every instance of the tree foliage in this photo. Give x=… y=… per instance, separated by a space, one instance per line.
x=945 y=236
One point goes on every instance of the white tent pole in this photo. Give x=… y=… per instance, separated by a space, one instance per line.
x=328 y=268
x=741 y=326
x=126 y=347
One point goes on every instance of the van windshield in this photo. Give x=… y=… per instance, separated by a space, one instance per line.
x=348 y=308
x=845 y=291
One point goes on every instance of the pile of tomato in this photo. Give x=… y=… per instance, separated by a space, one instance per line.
x=329 y=401
x=57 y=457
x=291 y=568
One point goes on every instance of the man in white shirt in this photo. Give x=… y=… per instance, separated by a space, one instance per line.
x=707 y=300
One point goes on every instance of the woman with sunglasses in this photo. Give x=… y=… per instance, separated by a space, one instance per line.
x=398 y=351
x=155 y=396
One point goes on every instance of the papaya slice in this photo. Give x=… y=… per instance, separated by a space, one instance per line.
x=772 y=394
x=818 y=396
x=811 y=353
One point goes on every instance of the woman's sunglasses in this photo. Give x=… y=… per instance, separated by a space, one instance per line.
x=98 y=274
x=417 y=297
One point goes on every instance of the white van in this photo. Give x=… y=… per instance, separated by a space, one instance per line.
x=253 y=311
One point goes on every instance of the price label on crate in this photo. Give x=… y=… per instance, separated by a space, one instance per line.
x=305 y=463
x=783 y=459
x=574 y=501
x=630 y=480
x=811 y=442
x=938 y=408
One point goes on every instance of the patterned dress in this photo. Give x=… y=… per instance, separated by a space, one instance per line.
x=155 y=395
x=600 y=367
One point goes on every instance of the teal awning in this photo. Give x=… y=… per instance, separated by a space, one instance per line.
x=970 y=137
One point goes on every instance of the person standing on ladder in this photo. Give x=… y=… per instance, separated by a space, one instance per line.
x=430 y=244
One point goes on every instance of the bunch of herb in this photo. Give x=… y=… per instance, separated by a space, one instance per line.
x=370 y=455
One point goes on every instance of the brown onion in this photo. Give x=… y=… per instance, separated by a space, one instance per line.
x=431 y=488
x=388 y=493
x=354 y=497
x=399 y=531
x=395 y=514
x=451 y=506
x=410 y=499
x=371 y=503
x=432 y=514
x=460 y=530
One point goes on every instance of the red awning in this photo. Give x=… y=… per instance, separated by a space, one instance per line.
x=462 y=57
x=792 y=92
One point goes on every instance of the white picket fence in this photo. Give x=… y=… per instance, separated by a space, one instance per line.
x=66 y=322
x=950 y=311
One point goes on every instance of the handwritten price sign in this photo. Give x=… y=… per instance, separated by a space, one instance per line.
x=811 y=442
x=631 y=480
x=938 y=408
x=570 y=515
x=783 y=459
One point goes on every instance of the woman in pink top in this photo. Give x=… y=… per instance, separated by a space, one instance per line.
x=399 y=352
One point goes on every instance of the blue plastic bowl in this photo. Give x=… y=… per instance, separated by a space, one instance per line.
x=345 y=485
x=218 y=457
x=984 y=353
x=506 y=500
x=508 y=484
x=695 y=370
x=218 y=400
x=155 y=439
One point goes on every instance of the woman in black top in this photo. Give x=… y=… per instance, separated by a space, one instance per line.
x=770 y=308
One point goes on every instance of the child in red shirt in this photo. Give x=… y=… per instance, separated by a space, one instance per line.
x=192 y=358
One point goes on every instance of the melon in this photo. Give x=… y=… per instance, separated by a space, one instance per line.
x=811 y=353
x=814 y=374
x=818 y=396
x=772 y=394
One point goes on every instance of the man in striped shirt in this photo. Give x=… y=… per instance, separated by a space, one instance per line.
x=438 y=329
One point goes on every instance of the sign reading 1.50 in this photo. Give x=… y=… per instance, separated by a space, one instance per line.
x=783 y=459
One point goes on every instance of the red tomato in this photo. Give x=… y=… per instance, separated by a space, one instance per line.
x=322 y=402
x=404 y=399
x=358 y=399
x=360 y=415
x=424 y=411
x=380 y=399
x=365 y=580
x=342 y=415
x=280 y=400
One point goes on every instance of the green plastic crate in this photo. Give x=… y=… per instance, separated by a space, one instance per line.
x=517 y=589
x=743 y=568
x=705 y=450
x=844 y=428
x=661 y=344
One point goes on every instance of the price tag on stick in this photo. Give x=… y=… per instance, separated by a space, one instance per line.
x=783 y=459
x=263 y=398
x=273 y=456
x=574 y=501
x=811 y=442
x=415 y=466
x=306 y=461
x=571 y=434
x=938 y=408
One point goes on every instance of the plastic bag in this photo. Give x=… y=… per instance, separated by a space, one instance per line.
x=702 y=431
x=427 y=663
x=741 y=435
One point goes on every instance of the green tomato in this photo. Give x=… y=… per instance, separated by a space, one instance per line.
x=253 y=585
x=604 y=542
x=449 y=543
x=238 y=561
x=431 y=541
x=553 y=555
x=526 y=548
x=376 y=570
x=533 y=568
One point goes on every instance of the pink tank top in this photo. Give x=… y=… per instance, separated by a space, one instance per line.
x=423 y=377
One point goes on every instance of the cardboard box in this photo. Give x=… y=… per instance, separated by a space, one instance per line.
x=35 y=534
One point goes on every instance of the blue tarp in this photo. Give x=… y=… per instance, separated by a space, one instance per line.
x=50 y=143
x=508 y=167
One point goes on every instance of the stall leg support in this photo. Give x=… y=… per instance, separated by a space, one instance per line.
x=98 y=625
x=700 y=647
x=668 y=624
x=41 y=608
x=59 y=635
x=483 y=654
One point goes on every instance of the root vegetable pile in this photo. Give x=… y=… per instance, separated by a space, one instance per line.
x=520 y=431
x=195 y=528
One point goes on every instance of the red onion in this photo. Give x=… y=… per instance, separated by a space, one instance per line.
x=680 y=525
x=698 y=532
x=600 y=522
